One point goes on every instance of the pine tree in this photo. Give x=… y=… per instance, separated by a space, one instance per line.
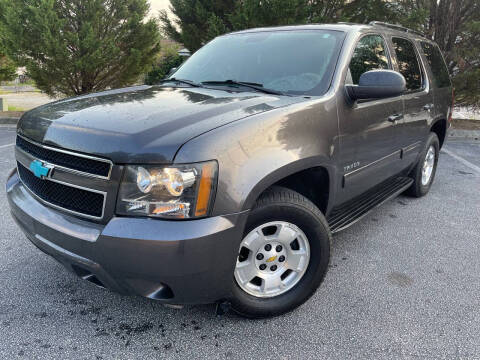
x=197 y=21
x=255 y=13
x=8 y=70
x=75 y=47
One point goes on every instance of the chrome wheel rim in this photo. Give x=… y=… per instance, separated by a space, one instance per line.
x=272 y=259
x=428 y=165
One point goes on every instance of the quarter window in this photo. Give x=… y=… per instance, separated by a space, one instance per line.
x=437 y=64
x=408 y=63
x=370 y=54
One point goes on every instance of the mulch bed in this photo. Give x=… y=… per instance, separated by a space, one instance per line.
x=463 y=124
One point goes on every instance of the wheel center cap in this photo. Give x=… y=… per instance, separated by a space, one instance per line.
x=270 y=257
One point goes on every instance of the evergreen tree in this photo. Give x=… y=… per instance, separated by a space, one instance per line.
x=364 y=11
x=255 y=13
x=325 y=11
x=166 y=60
x=75 y=47
x=198 y=21
x=8 y=70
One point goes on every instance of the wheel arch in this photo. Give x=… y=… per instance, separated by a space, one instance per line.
x=439 y=127
x=313 y=180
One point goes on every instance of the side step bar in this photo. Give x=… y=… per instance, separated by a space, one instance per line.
x=353 y=210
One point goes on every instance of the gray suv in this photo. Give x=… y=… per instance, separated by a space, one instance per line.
x=225 y=182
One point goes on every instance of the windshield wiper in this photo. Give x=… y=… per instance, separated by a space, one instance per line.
x=183 y=81
x=255 y=86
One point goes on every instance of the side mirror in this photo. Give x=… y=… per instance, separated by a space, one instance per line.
x=171 y=72
x=377 y=84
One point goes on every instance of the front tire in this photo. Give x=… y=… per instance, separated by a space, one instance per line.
x=424 y=172
x=283 y=257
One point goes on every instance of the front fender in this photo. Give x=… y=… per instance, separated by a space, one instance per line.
x=258 y=151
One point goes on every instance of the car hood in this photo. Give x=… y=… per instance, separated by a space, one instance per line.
x=144 y=124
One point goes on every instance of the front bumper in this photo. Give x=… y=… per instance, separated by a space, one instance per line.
x=176 y=262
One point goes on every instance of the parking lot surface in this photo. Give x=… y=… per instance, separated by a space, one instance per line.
x=404 y=282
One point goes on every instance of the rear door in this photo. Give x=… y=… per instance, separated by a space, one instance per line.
x=368 y=128
x=419 y=101
x=440 y=80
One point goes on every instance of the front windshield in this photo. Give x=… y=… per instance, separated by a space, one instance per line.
x=298 y=62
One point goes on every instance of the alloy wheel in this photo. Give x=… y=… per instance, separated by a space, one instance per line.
x=428 y=165
x=273 y=258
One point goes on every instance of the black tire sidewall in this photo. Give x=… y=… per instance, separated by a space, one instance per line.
x=317 y=233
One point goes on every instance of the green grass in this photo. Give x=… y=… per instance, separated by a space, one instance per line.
x=15 y=108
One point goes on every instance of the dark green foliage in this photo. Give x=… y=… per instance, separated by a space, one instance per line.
x=79 y=46
x=325 y=11
x=364 y=11
x=8 y=69
x=198 y=20
x=467 y=73
x=161 y=70
x=253 y=13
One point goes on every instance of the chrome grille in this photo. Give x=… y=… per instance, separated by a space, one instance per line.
x=66 y=159
x=76 y=183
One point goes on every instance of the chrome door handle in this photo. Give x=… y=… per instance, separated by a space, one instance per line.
x=395 y=117
x=428 y=107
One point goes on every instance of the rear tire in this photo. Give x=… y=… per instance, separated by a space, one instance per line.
x=280 y=208
x=424 y=172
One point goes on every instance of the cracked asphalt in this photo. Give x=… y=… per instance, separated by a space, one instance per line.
x=403 y=283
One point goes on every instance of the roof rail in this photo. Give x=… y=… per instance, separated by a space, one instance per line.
x=396 y=27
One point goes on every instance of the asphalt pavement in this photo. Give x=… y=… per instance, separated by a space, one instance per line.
x=404 y=282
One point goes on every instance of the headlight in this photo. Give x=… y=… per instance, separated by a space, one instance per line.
x=181 y=191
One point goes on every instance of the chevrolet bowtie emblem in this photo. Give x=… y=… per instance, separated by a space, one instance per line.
x=271 y=259
x=40 y=169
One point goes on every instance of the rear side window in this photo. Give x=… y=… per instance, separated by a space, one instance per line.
x=370 y=54
x=434 y=58
x=408 y=63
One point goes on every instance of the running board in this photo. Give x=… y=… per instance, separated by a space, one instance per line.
x=353 y=210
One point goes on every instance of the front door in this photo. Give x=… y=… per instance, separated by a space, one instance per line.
x=368 y=140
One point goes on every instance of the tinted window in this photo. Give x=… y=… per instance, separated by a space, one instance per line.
x=370 y=54
x=297 y=62
x=437 y=64
x=408 y=63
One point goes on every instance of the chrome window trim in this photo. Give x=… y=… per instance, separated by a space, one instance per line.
x=62 y=208
x=67 y=169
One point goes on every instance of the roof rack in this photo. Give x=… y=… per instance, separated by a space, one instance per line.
x=396 y=27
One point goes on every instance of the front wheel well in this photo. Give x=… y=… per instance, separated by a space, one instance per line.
x=313 y=183
x=440 y=128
